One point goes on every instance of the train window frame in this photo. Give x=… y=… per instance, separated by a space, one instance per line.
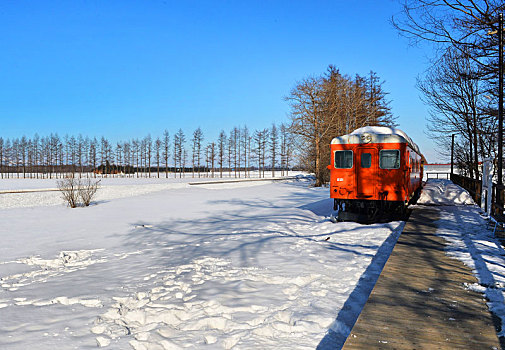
x=335 y=159
x=389 y=150
x=370 y=160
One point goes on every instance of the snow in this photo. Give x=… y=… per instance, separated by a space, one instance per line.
x=438 y=170
x=110 y=188
x=166 y=265
x=384 y=130
x=464 y=227
x=444 y=192
x=160 y=264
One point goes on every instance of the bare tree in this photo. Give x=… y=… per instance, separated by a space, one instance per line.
x=82 y=157
x=235 y=142
x=184 y=159
x=378 y=107
x=69 y=188
x=456 y=104
x=93 y=154
x=36 y=155
x=127 y=159
x=308 y=120
x=212 y=156
x=197 y=150
x=273 y=147
x=149 y=152
x=143 y=156
x=73 y=189
x=2 y=155
x=230 y=153
x=119 y=156
x=179 y=151
x=283 y=143
x=166 y=150
x=79 y=149
x=330 y=105
x=244 y=139
x=221 y=145
x=460 y=31
x=87 y=189
x=260 y=138
x=136 y=152
x=23 y=144
x=157 y=156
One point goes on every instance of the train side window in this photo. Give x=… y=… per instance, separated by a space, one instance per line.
x=389 y=159
x=366 y=160
x=343 y=159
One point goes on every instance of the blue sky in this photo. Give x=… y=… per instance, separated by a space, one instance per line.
x=123 y=69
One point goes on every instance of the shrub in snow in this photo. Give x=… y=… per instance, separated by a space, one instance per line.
x=68 y=188
x=73 y=189
x=87 y=190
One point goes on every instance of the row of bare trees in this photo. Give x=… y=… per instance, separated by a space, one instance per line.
x=234 y=154
x=461 y=86
x=330 y=105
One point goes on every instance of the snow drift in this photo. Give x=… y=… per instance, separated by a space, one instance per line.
x=444 y=192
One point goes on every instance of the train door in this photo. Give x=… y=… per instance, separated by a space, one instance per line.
x=366 y=172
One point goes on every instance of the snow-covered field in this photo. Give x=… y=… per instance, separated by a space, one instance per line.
x=252 y=265
x=166 y=265
x=111 y=188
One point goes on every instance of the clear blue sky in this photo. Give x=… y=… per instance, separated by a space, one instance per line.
x=123 y=69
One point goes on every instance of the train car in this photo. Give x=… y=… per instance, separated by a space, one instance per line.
x=374 y=172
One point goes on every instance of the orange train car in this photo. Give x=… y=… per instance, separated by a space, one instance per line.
x=374 y=172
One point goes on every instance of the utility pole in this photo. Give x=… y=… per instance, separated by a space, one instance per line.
x=500 y=102
x=452 y=155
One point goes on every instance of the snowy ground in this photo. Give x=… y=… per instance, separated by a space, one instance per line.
x=464 y=228
x=111 y=188
x=253 y=265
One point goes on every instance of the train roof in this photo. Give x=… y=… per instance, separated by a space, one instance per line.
x=377 y=134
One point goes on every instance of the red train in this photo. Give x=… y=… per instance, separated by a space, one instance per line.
x=374 y=172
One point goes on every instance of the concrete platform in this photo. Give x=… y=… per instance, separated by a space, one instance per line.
x=419 y=300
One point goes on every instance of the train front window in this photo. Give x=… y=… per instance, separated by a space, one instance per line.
x=343 y=159
x=366 y=160
x=389 y=159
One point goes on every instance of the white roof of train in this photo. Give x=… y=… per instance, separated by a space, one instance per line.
x=376 y=134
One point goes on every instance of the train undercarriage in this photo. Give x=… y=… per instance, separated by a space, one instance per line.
x=372 y=211
x=369 y=211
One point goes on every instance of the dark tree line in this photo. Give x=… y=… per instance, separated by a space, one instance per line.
x=236 y=153
x=461 y=86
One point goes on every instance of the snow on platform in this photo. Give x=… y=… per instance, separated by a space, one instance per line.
x=250 y=266
x=444 y=192
x=463 y=225
x=420 y=300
